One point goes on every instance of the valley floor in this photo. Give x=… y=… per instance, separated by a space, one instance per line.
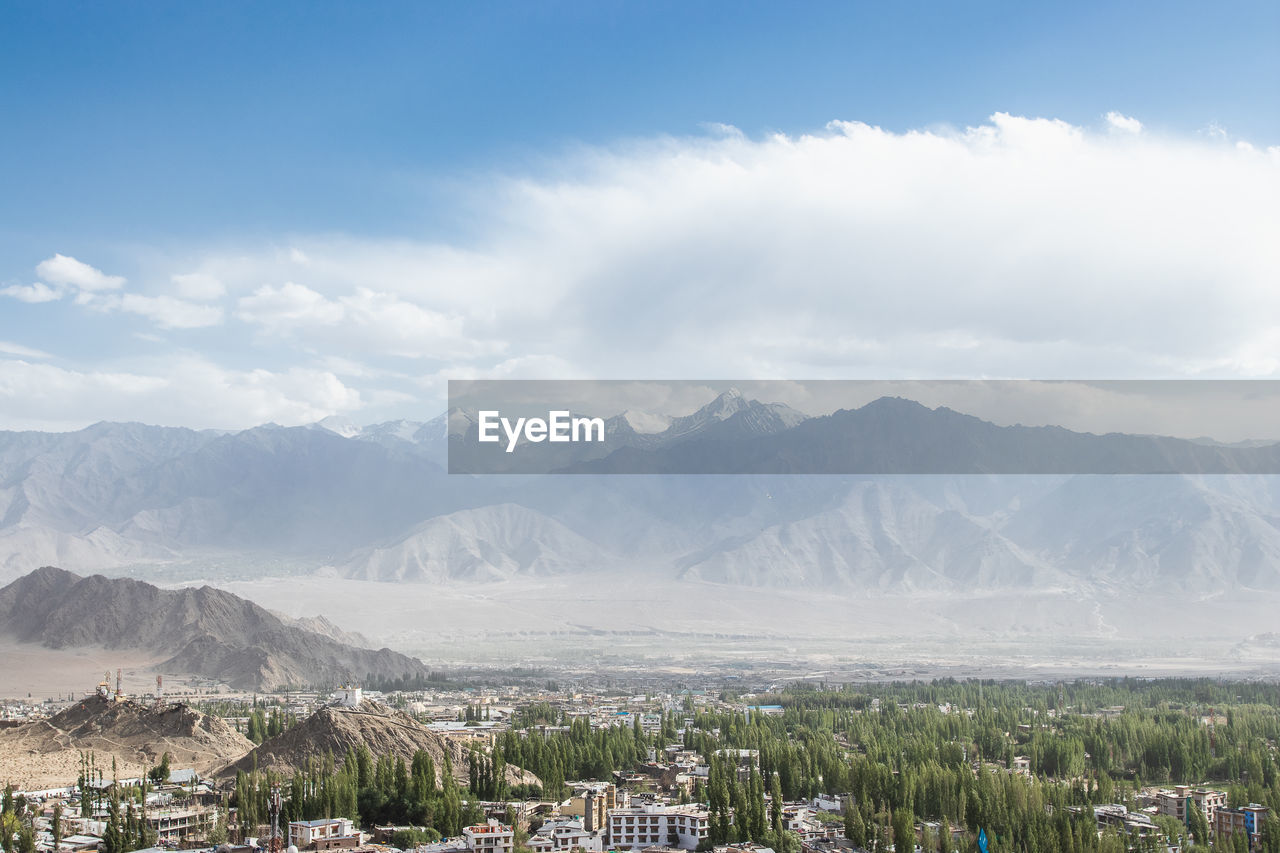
x=630 y=620
x=42 y=673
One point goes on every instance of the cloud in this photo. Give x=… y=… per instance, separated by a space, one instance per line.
x=198 y=286
x=1123 y=123
x=288 y=306
x=366 y=319
x=96 y=290
x=180 y=392
x=62 y=269
x=10 y=348
x=38 y=292
x=168 y=312
x=1020 y=247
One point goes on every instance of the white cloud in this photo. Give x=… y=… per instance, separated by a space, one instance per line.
x=62 y=269
x=182 y=391
x=198 y=286
x=96 y=290
x=10 y=348
x=1122 y=123
x=1019 y=247
x=287 y=306
x=168 y=312
x=366 y=319
x=37 y=292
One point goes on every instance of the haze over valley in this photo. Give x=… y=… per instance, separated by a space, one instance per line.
x=364 y=527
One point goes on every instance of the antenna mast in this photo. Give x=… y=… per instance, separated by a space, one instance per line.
x=276 y=844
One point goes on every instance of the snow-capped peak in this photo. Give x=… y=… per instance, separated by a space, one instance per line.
x=339 y=425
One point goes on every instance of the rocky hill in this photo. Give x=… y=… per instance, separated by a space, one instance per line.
x=206 y=632
x=45 y=753
x=381 y=730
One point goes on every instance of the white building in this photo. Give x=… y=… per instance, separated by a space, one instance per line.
x=491 y=837
x=348 y=696
x=649 y=825
x=323 y=834
x=564 y=836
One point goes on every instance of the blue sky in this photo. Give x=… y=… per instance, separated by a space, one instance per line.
x=396 y=153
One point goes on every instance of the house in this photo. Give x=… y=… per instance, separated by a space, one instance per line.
x=324 y=834
x=490 y=837
x=566 y=835
x=185 y=777
x=828 y=803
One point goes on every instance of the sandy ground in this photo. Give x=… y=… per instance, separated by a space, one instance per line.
x=29 y=772
x=629 y=618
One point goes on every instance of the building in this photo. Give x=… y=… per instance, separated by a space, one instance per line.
x=349 y=696
x=828 y=803
x=649 y=825
x=1119 y=817
x=491 y=837
x=175 y=824
x=563 y=836
x=452 y=845
x=592 y=802
x=1228 y=822
x=1176 y=803
x=330 y=834
x=80 y=843
x=185 y=778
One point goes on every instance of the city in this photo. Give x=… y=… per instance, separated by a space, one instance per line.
x=802 y=767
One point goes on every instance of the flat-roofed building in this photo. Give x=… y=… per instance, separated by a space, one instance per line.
x=1176 y=803
x=325 y=834
x=1247 y=820
x=649 y=825
x=490 y=837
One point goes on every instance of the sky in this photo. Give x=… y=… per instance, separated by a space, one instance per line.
x=220 y=215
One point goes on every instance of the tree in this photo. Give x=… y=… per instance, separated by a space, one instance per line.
x=217 y=833
x=854 y=829
x=904 y=831
x=26 y=841
x=406 y=839
x=1198 y=826
x=8 y=830
x=113 y=838
x=160 y=773
x=1270 y=834
x=55 y=826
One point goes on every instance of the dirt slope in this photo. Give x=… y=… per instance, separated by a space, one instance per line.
x=382 y=730
x=46 y=753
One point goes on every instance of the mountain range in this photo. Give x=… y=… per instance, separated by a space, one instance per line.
x=376 y=503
